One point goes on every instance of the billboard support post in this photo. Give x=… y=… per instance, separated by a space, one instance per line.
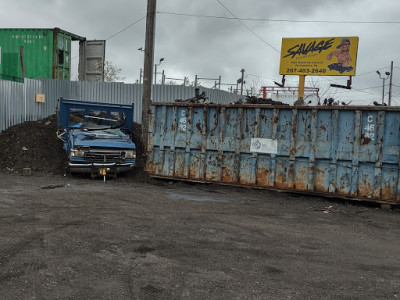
x=302 y=80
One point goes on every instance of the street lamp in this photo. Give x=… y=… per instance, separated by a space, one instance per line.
x=155 y=70
x=141 y=71
x=383 y=85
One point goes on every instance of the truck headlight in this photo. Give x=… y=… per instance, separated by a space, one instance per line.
x=130 y=154
x=77 y=153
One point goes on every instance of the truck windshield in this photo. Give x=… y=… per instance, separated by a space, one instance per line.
x=98 y=123
x=95 y=119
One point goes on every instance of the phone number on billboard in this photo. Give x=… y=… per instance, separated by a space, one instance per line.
x=305 y=71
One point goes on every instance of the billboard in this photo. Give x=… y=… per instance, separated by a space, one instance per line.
x=335 y=56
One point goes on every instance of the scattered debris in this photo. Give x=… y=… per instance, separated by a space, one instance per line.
x=379 y=104
x=256 y=100
x=330 y=102
x=27 y=171
x=52 y=186
x=198 y=98
x=330 y=210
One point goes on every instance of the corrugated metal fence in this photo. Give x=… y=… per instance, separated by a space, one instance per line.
x=17 y=100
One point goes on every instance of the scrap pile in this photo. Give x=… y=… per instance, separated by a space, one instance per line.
x=198 y=98
x=255 y=100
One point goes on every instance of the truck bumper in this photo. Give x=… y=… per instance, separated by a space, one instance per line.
x=99 y=168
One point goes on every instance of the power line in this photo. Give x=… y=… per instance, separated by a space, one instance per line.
x=247 y=27
x=373 y=71
x=275 y=20
x=130 y=25
x=373 y=87
x=258 y=76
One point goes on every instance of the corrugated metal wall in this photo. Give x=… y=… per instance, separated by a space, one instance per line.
x=17 y=100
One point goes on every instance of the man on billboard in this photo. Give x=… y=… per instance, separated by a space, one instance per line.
x=343 y=57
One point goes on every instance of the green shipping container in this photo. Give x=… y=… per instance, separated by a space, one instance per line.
x=46 y=53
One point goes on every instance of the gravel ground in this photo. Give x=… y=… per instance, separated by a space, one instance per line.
x=76 y=238
x=134 y=237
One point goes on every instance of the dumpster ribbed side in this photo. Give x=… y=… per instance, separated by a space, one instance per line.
x=350 y=152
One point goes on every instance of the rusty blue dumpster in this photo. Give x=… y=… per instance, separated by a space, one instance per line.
x=334 y=150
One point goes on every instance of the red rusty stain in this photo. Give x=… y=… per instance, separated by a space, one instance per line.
x=301 y=182
x=388 y=192
x=291 y=176
x=364 y=188
x=198 y=126
x=262 y=177
x=280 y=179
x=150 y=167
x=179 y=165
x=319 y=183
x=365 y=140
x=247 y=127
x=226 y=175
x=193 y=170
x=343 y=184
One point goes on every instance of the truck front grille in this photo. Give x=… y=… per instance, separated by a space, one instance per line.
x=104 y=156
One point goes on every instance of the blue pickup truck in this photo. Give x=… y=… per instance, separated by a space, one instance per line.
x=97 y=136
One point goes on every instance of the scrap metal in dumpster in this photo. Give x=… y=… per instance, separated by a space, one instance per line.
x=341 y=151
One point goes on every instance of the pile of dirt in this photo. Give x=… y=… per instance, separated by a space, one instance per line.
x=35 y=145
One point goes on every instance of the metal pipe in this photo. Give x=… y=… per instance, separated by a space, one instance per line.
x=241 y=83
x=390 y=84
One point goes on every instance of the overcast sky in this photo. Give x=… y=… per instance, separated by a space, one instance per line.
x=199 y=37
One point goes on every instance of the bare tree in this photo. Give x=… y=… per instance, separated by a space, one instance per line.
x=170 y=82
x=111 y=72
x=325 y=90
x=254 y=85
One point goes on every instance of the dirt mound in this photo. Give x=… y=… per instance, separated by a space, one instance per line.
x=32 y=145
x=35 y=145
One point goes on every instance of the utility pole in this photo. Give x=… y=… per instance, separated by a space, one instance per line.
x=390 y=84
x=148 y=70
